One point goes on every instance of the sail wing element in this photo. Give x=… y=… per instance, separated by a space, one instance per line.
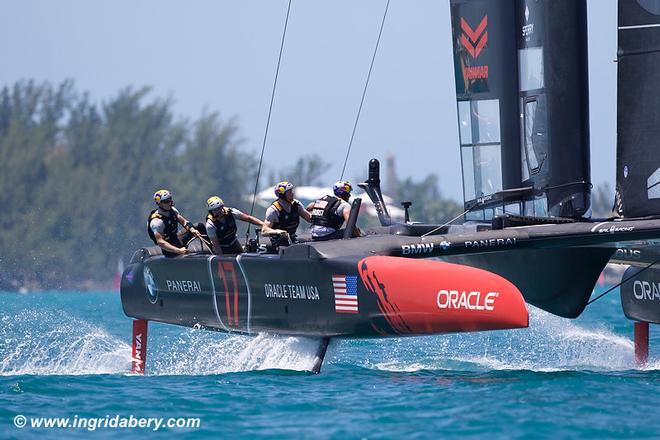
x=638 y=119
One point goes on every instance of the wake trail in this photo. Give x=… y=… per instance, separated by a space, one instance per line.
x=549 y=344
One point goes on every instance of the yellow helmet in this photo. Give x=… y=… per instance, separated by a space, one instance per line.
x=214 y=202
x=162 y=195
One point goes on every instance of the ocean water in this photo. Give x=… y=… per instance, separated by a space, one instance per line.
x=67 y=355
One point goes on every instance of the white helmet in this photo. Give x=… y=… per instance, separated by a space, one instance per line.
x=342 y=187
x=282 y=187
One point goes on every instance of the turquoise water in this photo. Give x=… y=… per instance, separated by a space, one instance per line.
x=67 y=355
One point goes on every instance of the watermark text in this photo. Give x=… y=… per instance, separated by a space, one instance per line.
x=107 y=422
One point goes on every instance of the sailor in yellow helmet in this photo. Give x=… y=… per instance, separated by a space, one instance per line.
x=163 y=225
x=221 y=226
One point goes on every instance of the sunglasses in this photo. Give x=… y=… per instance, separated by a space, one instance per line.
x=167 y=201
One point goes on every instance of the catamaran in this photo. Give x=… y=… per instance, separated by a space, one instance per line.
x=521 y=71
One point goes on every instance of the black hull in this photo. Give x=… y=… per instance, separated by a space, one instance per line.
x=559 y=281
x=555 y=267
x=301 y=296
x=640 y=295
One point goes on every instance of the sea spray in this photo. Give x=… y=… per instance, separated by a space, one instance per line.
x=37 y=342
x=40 y=342
x=199 y=352
x=550 y=343
x=468 y=386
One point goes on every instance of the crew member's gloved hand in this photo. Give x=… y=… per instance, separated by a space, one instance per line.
x=183 y=251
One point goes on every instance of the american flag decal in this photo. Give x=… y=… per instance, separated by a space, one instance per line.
x=346 y=298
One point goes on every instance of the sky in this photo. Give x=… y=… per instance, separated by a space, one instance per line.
x=217 y=55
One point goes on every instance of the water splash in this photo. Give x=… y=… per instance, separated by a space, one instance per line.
x=64 y=345
x=197 y=352
x=59 y=345
x=550 y=343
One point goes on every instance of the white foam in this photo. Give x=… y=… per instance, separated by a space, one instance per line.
x=57 y=344
x=64 y=345
x=652 y=365
x=549 y=344
x=197 y=352
x=40 y=343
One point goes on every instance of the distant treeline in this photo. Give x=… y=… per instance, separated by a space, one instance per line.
x=77 y=179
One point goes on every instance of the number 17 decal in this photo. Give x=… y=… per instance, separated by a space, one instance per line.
x=227 y=272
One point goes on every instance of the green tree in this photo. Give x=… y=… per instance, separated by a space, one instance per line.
x=308 y=171
x=76 y=178
x=428 y=204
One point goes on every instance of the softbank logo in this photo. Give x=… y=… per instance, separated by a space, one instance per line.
x=474 y=40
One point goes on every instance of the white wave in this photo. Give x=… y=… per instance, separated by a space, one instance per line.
x=40 y=343
x=198 y=352
x=651 y=365
x=398 y=367
x=54 y=343
x=549 y=344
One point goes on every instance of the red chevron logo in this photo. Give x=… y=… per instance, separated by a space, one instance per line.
x=474 y=40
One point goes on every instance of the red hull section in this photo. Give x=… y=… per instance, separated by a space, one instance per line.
x=641 y=343
x=139 y=351
x=423 y=296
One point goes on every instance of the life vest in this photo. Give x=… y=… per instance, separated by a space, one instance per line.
x=288 y=221
x=225 y=225
x=171 y=227
x=324 y=212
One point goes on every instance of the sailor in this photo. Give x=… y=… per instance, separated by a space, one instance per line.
x=163 y=225
x=284 y=213
x=330 y=212
x=221 y=226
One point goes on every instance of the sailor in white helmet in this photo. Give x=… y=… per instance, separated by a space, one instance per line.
x=330 y=212
x=221 y=226
x=285 y=212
